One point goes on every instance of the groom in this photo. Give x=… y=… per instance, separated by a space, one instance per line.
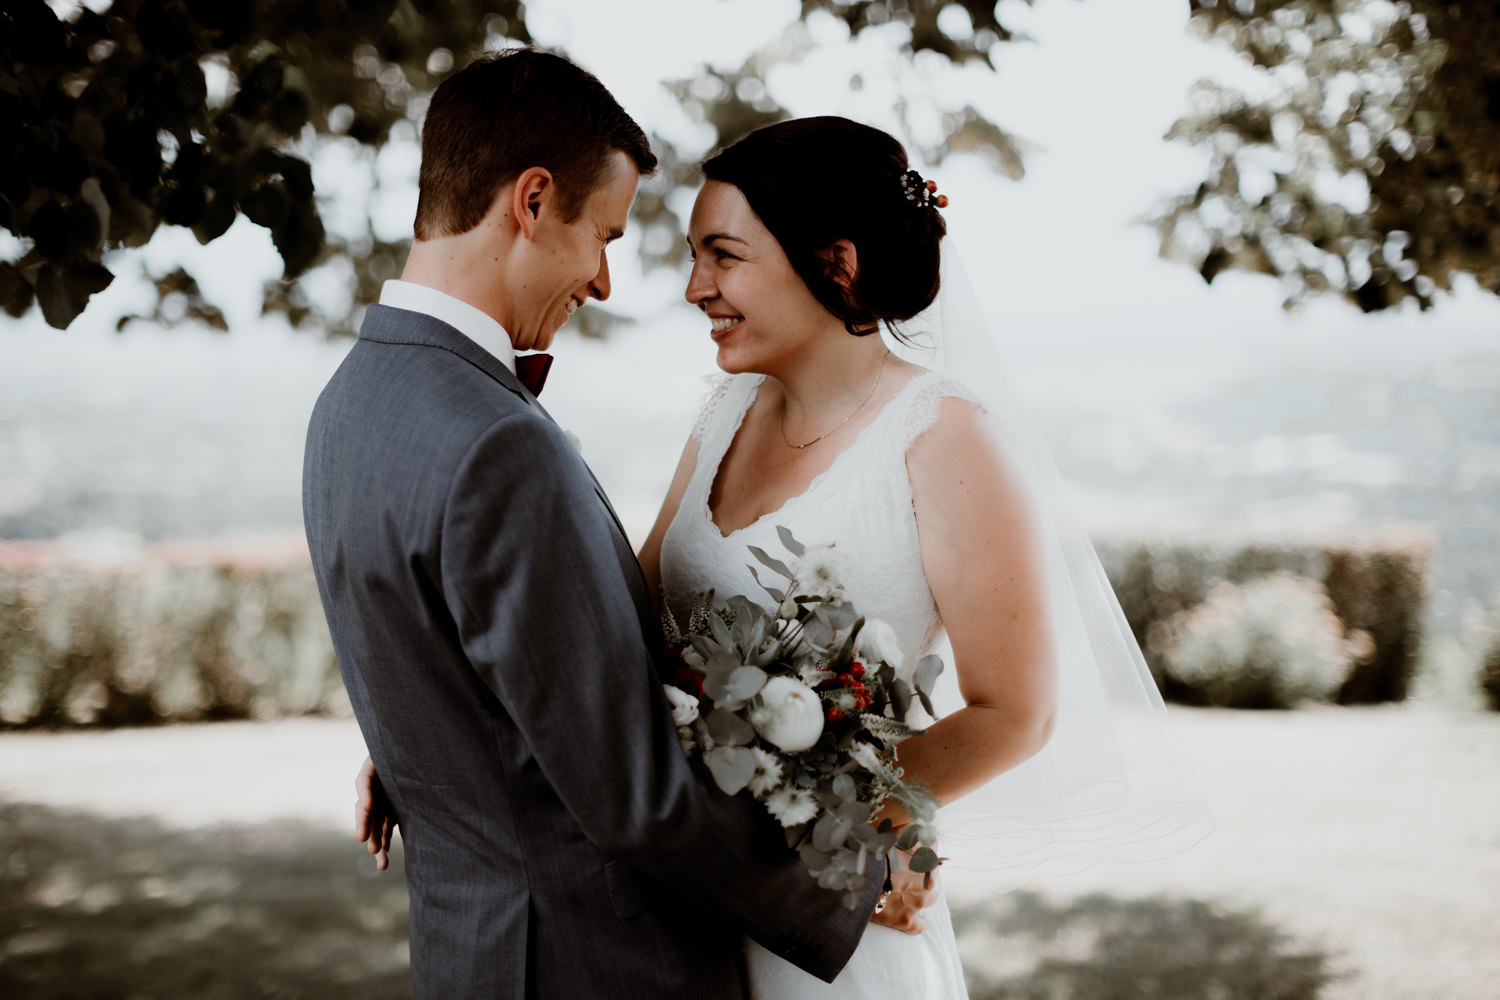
x=490 y=619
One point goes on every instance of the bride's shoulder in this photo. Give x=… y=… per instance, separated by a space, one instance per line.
x=724 y=391
x=942 y=403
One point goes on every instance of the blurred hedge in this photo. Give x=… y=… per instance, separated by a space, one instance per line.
x=171 y=634
x=178 y=633
x=1378 y=588
x=1489 y=678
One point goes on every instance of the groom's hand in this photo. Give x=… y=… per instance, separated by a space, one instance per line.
x=902 y=908
x=373 y=818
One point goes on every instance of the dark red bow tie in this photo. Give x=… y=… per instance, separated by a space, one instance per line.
x=531 y=369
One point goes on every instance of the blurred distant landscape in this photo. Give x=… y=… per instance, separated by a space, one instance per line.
x=152 y=436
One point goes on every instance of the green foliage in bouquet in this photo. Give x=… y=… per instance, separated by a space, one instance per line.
x=804 y=706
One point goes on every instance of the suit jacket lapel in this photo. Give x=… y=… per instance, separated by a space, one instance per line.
x=401 y=326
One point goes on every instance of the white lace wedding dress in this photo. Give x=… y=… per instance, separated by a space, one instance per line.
x=863 y=504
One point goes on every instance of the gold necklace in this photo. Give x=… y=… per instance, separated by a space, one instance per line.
x=868 y=396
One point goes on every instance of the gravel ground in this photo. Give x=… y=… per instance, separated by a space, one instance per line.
x=1369 y=836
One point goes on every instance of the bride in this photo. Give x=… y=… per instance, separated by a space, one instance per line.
x=806 y=237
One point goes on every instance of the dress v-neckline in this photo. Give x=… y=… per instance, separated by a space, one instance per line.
x=812 y=484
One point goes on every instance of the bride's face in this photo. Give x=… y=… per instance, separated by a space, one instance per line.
x=762 y=315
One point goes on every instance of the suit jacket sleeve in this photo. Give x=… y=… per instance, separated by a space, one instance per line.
x=531 y=572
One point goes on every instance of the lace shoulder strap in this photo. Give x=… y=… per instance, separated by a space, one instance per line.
x=728 y=396
x=926 y=402
x=718 y=388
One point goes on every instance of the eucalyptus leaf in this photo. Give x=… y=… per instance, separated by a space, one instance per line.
x=776 y=595
x=929 y=668
x=843 y=787
x=833 y=878
x=907 y=839
x=840 y=615
x=720 y=631
x=927 y=703
x=732 y=768
x=854 y=812
x=728 y=729
x=705 y=646
x=789 y=541
x=823 y=832
x=815 y=859
x=852 y=901
x=770 y=562
x=901 y=699
x=925 y=860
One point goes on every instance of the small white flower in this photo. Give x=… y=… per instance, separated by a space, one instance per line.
x=692 y=657
x=813 y=674
x=786 y=610
x=869 y=758
x=877 y=643
x=791 y=806
x=573 y=440
x=790 y=715
x=684 y=705
x=685 y=737
x=820 y=572
x=767 y=773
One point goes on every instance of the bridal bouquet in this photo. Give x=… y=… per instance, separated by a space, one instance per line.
x=804 y=707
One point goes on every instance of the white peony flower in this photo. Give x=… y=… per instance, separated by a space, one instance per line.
x=791 y=806
x=684 y=705
x=790 y=715
x=877 y=643
x=820 y=572
x=767 y=773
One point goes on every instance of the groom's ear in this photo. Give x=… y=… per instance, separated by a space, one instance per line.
x=840 y=262
x=531 y=194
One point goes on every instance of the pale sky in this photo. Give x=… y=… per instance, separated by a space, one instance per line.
x=1089 y=314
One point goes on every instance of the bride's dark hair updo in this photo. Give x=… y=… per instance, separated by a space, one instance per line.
x=814 y=181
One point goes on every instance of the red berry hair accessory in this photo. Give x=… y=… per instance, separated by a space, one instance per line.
x=923 y=193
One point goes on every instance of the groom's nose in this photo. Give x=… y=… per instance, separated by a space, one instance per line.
x=599 y=287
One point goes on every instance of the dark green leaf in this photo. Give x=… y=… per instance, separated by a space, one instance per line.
x=15 y=291
x=771 y=562
x=924 y=859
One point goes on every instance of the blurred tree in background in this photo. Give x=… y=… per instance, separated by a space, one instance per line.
x=1370 y=165
x=193 y=112
x=1370 y=168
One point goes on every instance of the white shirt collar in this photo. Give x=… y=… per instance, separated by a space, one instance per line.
x=473 y=323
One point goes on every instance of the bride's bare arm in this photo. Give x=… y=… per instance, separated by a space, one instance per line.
x=650 y=554
x=982 y=554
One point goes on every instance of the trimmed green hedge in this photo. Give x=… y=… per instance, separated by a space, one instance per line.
x=1378 y=591
x=185 y=634
x=174 y=635
x=1489 y=678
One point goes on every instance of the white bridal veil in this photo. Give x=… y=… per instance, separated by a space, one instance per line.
x=1113 y=783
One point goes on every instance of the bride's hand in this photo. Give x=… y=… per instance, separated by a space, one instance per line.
x=373 y=818
x=909 y=896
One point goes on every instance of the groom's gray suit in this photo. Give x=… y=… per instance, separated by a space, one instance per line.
x=492 y=627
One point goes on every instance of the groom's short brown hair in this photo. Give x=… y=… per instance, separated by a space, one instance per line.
x=505 y=112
